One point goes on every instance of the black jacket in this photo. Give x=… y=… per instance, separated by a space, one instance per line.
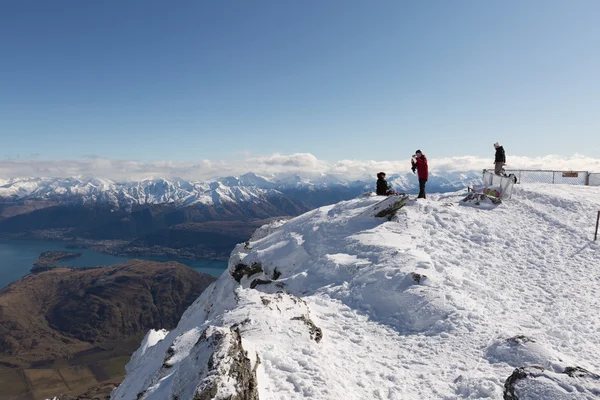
x=500 y=156
x=382 y=187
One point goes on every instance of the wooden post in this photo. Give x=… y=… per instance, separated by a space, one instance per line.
x=586 y=180
x=597 y=221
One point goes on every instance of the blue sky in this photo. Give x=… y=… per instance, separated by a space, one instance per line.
x=191 y=80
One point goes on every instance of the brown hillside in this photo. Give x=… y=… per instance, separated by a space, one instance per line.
x=64 y=311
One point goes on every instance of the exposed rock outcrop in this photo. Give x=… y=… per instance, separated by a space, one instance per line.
x=242 y=270
x=388 y=208
x=229 y=361
x=537 y=382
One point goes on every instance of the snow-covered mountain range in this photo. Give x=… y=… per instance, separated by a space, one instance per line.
x=317 y=190
x=442 y=301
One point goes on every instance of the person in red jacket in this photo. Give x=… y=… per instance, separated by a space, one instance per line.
x=419 y=163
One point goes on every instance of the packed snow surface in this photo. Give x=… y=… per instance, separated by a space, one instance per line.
x=443 y=301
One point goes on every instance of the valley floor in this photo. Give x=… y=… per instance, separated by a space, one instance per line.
x=102 y=367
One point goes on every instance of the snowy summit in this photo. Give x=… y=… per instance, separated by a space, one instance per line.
x=442 y=301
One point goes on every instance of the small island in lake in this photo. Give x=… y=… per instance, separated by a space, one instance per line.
x=48 y=260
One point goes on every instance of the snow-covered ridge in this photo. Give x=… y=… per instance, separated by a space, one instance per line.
x=101 y=191
x=443 y=301
x=245 y=188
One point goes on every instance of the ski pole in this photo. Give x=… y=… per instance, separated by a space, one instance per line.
x=597 y=221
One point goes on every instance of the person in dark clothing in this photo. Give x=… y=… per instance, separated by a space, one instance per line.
x=383 y=188
x=500 y=158
x=419 y=164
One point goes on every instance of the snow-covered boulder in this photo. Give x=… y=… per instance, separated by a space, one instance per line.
x=520 y=350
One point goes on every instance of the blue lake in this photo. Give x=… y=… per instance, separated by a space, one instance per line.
x=18 y=256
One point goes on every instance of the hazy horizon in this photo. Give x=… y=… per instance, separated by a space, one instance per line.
x=304 y=164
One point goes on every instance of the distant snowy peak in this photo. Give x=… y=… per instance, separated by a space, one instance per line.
x=161 y=191
x=245 y=188
x=249 y=179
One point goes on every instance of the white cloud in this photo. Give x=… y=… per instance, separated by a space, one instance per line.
x=292 y=162
x=299 y=163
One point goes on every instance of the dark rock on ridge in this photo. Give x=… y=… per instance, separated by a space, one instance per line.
x=241 y=270
x=537 y=382
x=235 y=366
x=315 y=332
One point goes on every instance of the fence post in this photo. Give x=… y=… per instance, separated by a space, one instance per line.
x=586 y=181
x=597 y=221
x=553 y=173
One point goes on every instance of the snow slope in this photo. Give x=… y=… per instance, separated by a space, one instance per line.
x=443 y=301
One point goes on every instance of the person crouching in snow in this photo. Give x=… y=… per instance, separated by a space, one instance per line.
x=500 y=158
x=419 y=164
x=383 y=188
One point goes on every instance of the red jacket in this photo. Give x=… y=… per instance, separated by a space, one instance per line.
x=422 y=169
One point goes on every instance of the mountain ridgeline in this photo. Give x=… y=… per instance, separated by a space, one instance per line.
x=176 y=217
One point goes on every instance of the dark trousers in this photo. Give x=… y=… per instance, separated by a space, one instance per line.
x=422 y=183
